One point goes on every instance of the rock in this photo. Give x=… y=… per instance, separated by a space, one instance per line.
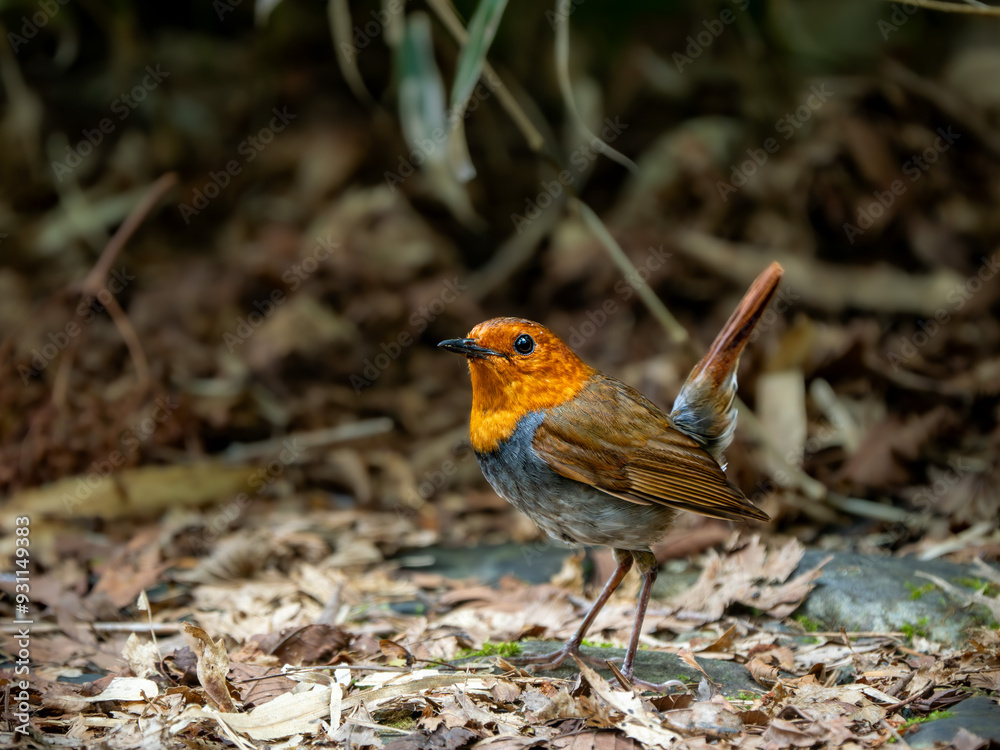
x=655 y=666
x=979 y=716
x=489 y=563
x=884 y=594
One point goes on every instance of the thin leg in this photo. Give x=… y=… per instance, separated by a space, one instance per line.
x=646 y=564
x=572 y=647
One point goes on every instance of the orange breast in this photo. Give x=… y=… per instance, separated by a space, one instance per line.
x=502 y=395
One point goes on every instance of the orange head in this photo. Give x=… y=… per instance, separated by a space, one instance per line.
x=517 y=367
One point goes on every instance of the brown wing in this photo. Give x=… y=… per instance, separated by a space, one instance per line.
x=640 y=457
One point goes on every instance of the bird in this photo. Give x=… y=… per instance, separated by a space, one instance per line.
x=591 y=460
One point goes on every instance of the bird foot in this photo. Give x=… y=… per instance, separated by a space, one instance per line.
x=656 y=687
x=627 y=679
x=554 y=659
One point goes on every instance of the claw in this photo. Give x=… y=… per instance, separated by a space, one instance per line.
x=661 y=687
x=554 y=659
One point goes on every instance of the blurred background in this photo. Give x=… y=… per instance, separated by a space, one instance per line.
x=232 y=233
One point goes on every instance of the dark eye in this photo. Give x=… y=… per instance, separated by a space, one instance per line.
x=524 y=344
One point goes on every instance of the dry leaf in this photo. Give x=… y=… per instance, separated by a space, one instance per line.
x=213 y=665
x=395 y=653
x=143 y=657
x=309 y=644
x=127 y=689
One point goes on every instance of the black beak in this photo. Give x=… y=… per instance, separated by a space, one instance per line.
x=468 y=348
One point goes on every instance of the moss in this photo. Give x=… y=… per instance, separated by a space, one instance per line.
x=503 y=649
x=597 y=644
x=911 y=630
x=978 y=584
x=807 y=624
x=932 y=716
x=916 y=720
x=918 y=591
x=746 y=695
x=399 y=719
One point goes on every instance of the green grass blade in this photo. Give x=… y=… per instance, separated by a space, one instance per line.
x=421 y=91
x=482 y=29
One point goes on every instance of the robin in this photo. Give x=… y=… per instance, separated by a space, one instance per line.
x=594 y=462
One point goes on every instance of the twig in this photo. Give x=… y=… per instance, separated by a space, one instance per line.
x=963 y=540
x=967 y=599
x=98 y=275
x=240 y=453
x=849 y=633
x=879 y=288
x=96 y=281
x=986 y=571
x=563 y=10
x=867 y=509
x=946 y=7
x=515 y=251
x=952 y=104
x=446 y=14
x=339 y=18
x=675 y=330
x=131 y=339
x=104 y=627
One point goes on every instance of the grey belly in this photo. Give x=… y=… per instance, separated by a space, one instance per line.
x=567 y=510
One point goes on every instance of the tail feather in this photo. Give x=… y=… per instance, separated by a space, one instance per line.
x=704 y=407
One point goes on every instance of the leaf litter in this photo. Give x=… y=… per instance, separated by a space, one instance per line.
x=236 y=577
x=261 y=669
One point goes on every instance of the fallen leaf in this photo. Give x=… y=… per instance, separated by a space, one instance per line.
x=142 y=657
x=781 y=733
x=442 y=738
x=306 y=645
x=127 y=689
x=763 y=672
x=394 y=652
x=258 y=685
x=287 y=715
x=638 y=722
x=213 y=665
